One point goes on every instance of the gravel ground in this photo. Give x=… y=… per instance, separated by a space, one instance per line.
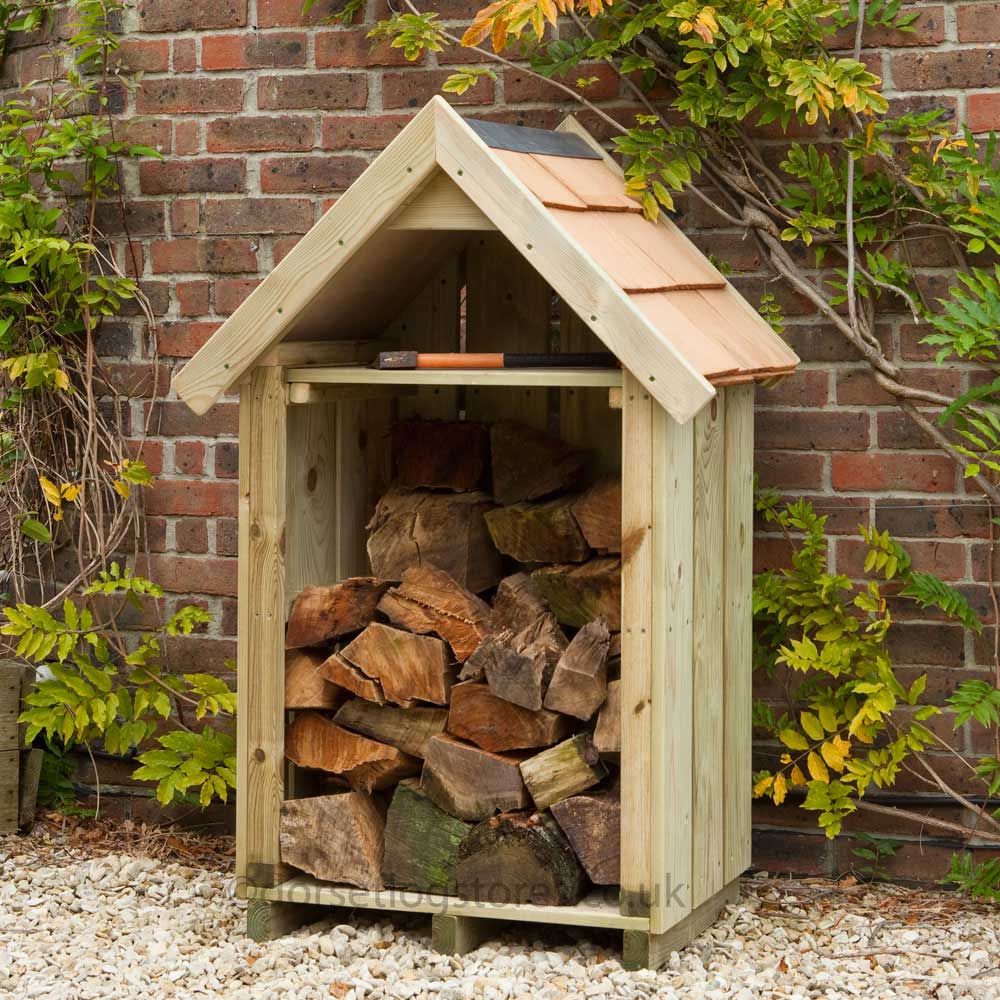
x=77 y=923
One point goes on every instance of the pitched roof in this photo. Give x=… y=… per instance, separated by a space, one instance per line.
x=643 y=288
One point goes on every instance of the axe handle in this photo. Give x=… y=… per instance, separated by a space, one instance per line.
x=405 y=359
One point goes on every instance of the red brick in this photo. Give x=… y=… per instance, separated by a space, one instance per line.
x=230 y=293
x=917 y=519
x=226 y=536
x=982 y=112
x=182 y=574
x=148 y=452
x=898 y=431
x=362 y=131
x=353 y=48
x=185 y=216
x=978 y=22
x=939 y=70
x=309 y=174
x=520 y=86
x=192 y=497
x=288 y=13
x=182 y=340
x=189 y=458
x=228 y=620
x=945 y=559
x=140 y=218
x=227 y=460
x=910 y=335
x=176 y=419
x=258 y=215
x=414 y=88
x=282 y=247
x=271 y=50
x=785 y=853
x=859 y=388
x=230 y=256
x=805 y=388
x=147 y=55
x=191 y=535
x=173 y=177
x=187 y=15
x=259 y=133
x=893 y=471
x=193 y=297
x=770 y=553
x=144 y=379
x=145 y=132
x=185 y=55
x=790 y=470
x=927 y=29
x=187 y=138
x=842 y=430
x=312 y=91
x=154 y=533
x=940 y=645
x=197 y=95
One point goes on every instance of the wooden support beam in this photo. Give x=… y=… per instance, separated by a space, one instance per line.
x=452 y=934
x=306 y=392
x=267 y=920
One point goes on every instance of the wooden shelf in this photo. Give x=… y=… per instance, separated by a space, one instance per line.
x=498 y=377
x=599 y=909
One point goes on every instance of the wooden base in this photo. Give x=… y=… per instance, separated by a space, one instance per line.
x=267 y=920
x=454 y=935
x=643 y=950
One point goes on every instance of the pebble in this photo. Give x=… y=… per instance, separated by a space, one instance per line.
x=120 y=927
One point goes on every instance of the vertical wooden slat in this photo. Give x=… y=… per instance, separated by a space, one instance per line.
x=260 y=648
x=350 y=513
x=709 y=679
x=637 y=672
x=737 y=633
x=672 y=660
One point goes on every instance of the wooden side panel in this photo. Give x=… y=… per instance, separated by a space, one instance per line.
x=260 y=648
x=709 y=673
x=9 y=771
x=637 y=671
x=350 y=513
x=11 y=673
x=508 y=308
x=672 y=658
x=737 y=633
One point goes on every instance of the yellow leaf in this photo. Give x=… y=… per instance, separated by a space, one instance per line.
x=817 y=769
x=812 y=726
x=828 y=717
x=762 y=786
x=50 y=490
x=832 y=756
x=798 y=778
x=843 y=746
x=780 y=789
x=71 y=491
x=793 y=739
x=62 y=379
x=122 y=489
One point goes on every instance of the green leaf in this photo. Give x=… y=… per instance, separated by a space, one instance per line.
x=35 y=530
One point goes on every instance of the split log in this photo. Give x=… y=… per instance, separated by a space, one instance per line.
x=598 y=512
x=441 y=454
x=608 y=734
x=517 y=604
x=336 y=838
x=592 y=824
x=406 y=729
x=479 y=716
x=323 y=613
x=312 y=740
x=471 y=783
x=429 y=600
x=521 y=666
x=519 y=858
x=528 y=463
x=578 y=594
x=421 y=842
x=579 y=684
x=336 y=669
x=305 y=686
x=563 y=770
x=538 y=532
x=409 y=667
x=446 y=530
x=615 y=656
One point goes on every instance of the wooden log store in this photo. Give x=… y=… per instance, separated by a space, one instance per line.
x=494 y=622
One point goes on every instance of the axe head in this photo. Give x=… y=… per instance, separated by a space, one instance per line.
x=389 y=360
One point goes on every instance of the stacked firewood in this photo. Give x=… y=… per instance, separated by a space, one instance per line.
x=462 y=703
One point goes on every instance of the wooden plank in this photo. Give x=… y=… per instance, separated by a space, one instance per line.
x=267 y=921
x=508 y=308
x=11 y=673
x=672 y=654
x=546 y=187
x=709 y=673
x=455 y=935
x=350 y=511
x=28 y=780
x=606 y=378
x=304 y=393
x=320 y=352
x=598 y=909
x=646 y=950
x=568 y=269
x=737 y=630
x=261 y=640
x=274 y=305
x=637 y=674
x=9 y=768
x=591 y=182
x=441 y=204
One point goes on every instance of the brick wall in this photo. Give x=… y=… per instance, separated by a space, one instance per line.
x=263 y=115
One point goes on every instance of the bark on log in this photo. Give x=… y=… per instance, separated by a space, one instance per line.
x=312 y=740
x=608 y=734
x=429 y=600
x=592 y=824
x=479 y=716
x=567 y=769
x=441 y=454
x=406 y=729
x=469 y=782
x=528 y=463
x=336 y=669
x=578 y=594
x=336 y=838
x=579 y=684
x=305 y=686
x=517 y=604
x=320 y=614
x=421 y=842
x=538 y=532
x=598 y=512
x=519 y=858
x=446 y=530
x=409 y=667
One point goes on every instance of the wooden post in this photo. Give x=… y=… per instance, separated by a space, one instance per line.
x=260 y=647
x=455 y=935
